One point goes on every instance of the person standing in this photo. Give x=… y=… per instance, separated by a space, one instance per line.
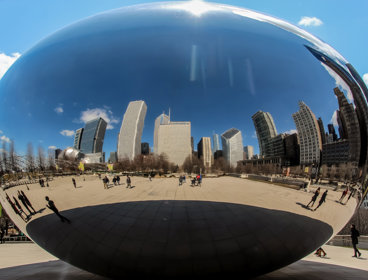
x=129 y=182
x=354 y=239
x=74 y=183
x=118 y=179
x=105 y=181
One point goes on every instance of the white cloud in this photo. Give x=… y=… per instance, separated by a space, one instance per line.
x=365 y=78
x=52 y=148
x=334 y=119
x=67 y=132
x=291 y=131
x=1 y=132
x=6 y=61
x=59 y=110
x=310 y=21
x=4 y=138
x=254 y=135
x=105 y=113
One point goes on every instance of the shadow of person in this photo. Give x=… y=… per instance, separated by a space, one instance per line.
x=303 y=205
x=40 y=211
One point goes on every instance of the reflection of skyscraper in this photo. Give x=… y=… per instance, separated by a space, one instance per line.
x=249 y=152
x=205 y=151
x=172 y=139
x=161 y=119
x=93 y=136
x=308 y=134
x=216 y=142
x=129 y=142
x=322 y=130
x=145 y=148
x=349 y=125
x=78 y=138
x=232 y=146
x=265 y=129
x=332 y=131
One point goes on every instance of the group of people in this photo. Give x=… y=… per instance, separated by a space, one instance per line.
x=18 y=209
x=344 y=193
x=197 y=181
x=314 y=198
x=42 y=183
x=116 y=181
x=182 y=179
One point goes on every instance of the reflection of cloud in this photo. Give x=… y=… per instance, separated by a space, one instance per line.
x=310 y=21
x=7 y=61
x=5 y=139
x=291 y=131
x=67 y=132
x=52 y=148
x=254 y=135
x=106 y=114
x=59 y=110
x=339 y=82
x=365 y=78
x=317 y=43
x=1 y=132
x=334 y=119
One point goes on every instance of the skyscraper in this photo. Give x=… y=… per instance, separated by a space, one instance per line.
x=308 y=134
x=205 y=151
x=322 y=130
x=161 y=119
x=265 y=129
x=349 y=125
x=232 y=146
x=172 y=139
x=78 y=138
x=129 y=142
x=249 y=152
x=216 y=142
x=93 y=136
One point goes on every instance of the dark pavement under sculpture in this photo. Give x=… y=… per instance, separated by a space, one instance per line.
x=166 y=238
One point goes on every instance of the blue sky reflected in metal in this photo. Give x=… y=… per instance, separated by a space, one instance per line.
x=214 y=69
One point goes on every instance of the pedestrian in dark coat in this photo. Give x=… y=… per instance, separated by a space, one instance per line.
x=354 y=239
x=322 y=200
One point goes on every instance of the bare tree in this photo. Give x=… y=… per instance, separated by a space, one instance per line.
x=41 y=159
x=51 y=159
x=30 y=161
x=5 y=161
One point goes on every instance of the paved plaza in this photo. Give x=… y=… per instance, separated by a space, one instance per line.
x=20 y=261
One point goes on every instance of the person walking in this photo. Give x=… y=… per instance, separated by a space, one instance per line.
x=74 y=183
x=322 y=200
x=314 y=197
x=51 y=205
x=354 y=239
x=118 y=179
x=129 y=182
x=343 y=194
x=180 y=180
x=150 y=177
x=114 y=180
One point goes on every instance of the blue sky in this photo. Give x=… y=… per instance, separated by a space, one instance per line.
x=342 y=24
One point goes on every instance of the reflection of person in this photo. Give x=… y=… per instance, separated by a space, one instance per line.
x=23 y=200
x=74 y=183
x=180 y=180
x=150 y=177
x=118 y=179
x=27 y=201
x=105 y=181
x=314 y=197
x=320 y=252
x=343 y=194
x=51 y=205
x=2 y=233
x=323 y=199
x=129 y=182
x=354 y=239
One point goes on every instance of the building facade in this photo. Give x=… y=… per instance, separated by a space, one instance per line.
x=205 y=151
x=160 y=120
x=93 y=136
x=248 y=152
x=78 y=138
x=129 y=139
x=309 y=135
x=265 y=130
x=232 y=146
x=216 y=142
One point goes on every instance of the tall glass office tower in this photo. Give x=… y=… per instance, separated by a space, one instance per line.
x=216 y=142
x=93 y=136
x=232 y=146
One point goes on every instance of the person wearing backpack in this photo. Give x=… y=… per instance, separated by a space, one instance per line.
x=354 y=239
